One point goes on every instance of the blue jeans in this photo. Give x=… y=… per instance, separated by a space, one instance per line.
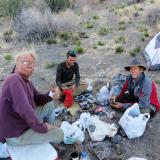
x=46 y=113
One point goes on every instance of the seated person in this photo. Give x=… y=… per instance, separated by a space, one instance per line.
x=21 y=121
x=66 y=72
x=137 y=88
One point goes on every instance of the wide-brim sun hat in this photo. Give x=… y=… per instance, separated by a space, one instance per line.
x=134 y=62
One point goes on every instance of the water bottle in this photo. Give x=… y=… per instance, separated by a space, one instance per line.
x=90 y=87
x=84 y=156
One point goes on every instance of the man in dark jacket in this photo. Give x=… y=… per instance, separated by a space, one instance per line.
x=67 y=70
x=19 y=122
x=137 y=88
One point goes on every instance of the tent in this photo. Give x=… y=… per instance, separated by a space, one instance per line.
x=152 y=53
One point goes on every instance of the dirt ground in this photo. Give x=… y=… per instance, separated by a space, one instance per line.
x=99 y=64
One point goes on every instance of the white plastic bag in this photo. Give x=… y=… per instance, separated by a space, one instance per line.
x=3 y=151
x=103 y=95
x=71 y=133
x=101 y=130
x=133 y=122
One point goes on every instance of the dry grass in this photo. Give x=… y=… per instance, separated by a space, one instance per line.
x=38 y=23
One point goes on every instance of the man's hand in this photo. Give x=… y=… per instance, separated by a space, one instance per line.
x=49 y=126
x=117 y=105
x=73 y=87
x=112 y=99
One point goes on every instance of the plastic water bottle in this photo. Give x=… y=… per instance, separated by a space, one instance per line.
x=84 y=156
x=90 y=87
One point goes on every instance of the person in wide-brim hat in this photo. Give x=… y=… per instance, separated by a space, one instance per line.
x=134 y=62
x=138 y=88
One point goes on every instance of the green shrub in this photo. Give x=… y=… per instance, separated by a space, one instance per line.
x=143 y=30
x=50 y=65
x=119 y=49
x=79 y=49
x=120 y=39
x=7 y=33
x=76 y=40
x=134 y=52
x=103 y=31
x=122 y=25
x=145 y=33
x=122 y=22
x=142 y=39
x=8 y=56
x=89 y=24
x=51 y=41
x=100 y=43
x=12 y=7
x=95 y=17
x=94 y=46
x=65 y=35
x=57 y=5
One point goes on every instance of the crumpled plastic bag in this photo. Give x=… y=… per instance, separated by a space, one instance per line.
x=101 y=130
x=103 y=96
x=3 y=151
x=133 y=122
x=72 y=133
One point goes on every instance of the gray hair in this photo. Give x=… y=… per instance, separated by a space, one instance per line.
x=25 y=52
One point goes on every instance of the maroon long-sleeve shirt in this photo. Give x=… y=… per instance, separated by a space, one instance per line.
x=18 y=99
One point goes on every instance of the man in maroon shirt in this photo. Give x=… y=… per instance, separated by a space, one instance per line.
x=19 y=123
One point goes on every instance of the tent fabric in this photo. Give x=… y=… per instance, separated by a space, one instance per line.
x=152 y=53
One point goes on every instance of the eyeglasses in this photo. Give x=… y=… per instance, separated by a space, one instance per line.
x=27 y=63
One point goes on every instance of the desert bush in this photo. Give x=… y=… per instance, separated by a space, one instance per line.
x=36 y=23
x=76 y=40
x=57 y=5
x=119 y=49
x=12 y=7
x=7 y=35
x=103 y=31
x=89 y=24
x=68 y=38
x=49 y=65
x=100 y=43
x=134 y=52
x=79 y=49
x=122 y=25
x=143 y=30
x=51 y=41
x=131 y=2
x=95 y=17
x=8 y=56
x=94 y=46
x=120 y=39
x=152 y=16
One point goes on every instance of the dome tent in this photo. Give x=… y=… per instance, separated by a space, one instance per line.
x=152 y=53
